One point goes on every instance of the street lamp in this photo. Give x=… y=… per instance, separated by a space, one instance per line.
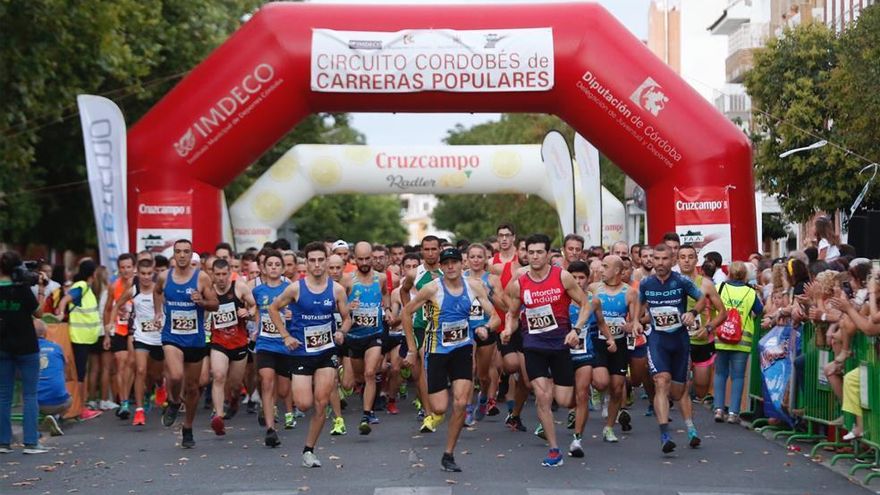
x=816 y=145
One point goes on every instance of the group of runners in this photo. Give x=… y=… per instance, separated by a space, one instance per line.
x=469 y=325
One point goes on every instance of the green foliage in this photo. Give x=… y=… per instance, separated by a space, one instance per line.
x=475 y=217
x=855 y=84
x=352 y=217
x=803 y=92
x=772 y=226
x=131 y=51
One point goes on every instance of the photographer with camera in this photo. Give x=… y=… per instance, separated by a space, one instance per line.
x=45 y=286
x=19 y=351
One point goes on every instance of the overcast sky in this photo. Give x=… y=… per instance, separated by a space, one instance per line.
x=427 y=129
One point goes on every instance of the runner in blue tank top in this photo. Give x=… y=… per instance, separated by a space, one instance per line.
x=185 y=293
x=583 y=356
x=368 y=297
x=664 y=298
x=311 y=339
x=273 y=359
x=619 y=309
x=449 y=344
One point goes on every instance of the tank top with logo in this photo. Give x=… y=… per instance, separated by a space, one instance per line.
x=184 y=319
x=269 y=338
x=227 y=329
x=313 y=323
x=546 y=304
x=449 y=329
x=366 y=318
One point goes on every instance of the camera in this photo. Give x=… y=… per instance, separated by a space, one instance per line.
x=26 y=273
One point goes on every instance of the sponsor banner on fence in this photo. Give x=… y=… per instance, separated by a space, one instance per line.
x=104 y=137
x=702 y=219
x=415 y=60
x=162 y=218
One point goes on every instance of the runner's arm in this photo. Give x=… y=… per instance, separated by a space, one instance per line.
x=497 y=294
x=342 y=306
x=511 y=325
x=579 y=297
x=488 y=308
x=114 y=310
x=247 y=296
x=423 y=296
x=159 y=297
x=711 y=295
x=405 y=287
x=210 y=302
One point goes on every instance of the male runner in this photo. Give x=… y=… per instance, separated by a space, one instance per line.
x=393 y=344
x=396 y=252
x=185 y=293
x=272 y=356
x=702 y=338
x=620 y=249
x=425 y=273
x=583 y=355
x=572 y=249
x=229 y=341
x=505 y=264
x=311 y=339
x=449 y=343
x=148 y=353
x=612 y=359
x=664 y=298
x=546 y=292
x=334 y=271
x=646 y=254
x=368 y=297
x=120 y=344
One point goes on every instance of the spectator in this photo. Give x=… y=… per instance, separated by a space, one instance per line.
x=85 y=327
x=731 y=358
x=812 y=255
x=19 y=352
x=52 y=393
x=715 y=257
x=826 y=239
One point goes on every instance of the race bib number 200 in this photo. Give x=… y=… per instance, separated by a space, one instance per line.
x=541 y=319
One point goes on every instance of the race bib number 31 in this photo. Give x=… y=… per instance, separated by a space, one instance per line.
x=455 y=333
x=541 y=319
x=184 y=322
x=318 y=338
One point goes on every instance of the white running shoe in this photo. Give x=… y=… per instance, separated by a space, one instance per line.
x=310 y=460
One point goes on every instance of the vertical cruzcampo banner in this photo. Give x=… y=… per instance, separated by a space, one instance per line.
x=702 y=219
x=590 y=196
x=557 y=160
x=162 y=218
x=104 y=139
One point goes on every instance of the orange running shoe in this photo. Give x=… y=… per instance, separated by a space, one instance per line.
x=161 y=396
x=139 y=417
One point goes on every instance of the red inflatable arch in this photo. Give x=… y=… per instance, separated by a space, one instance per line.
x=257 y=86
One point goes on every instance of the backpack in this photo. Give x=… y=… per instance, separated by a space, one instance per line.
x=731 y=330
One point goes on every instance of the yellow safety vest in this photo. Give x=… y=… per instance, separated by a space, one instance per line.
x=84 y=321
x=740 y=299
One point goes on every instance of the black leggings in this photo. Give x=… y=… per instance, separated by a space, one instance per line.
x=81 y=359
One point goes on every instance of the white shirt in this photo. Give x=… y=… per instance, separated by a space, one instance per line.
x=50 y=287
x=832 y=251
x=719 y=277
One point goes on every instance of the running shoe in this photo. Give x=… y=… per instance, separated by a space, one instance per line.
x=93 y=405
x=719 y=415
x=575 y=449
x=380 y=403
x=733 y=418
x=289 y=421
x=124 y=411
x=572 y=415
x=650 y=411
x=251 y=407
x=51 y=424
x=625 y=420
x=515 y=423
x=666 y=443
x=539 y=432
x=492 y=407
x=448 y=463
x=161 y=396
x=554 y=459
x=482 y=408
x=232 y=410
x=107 y=405
x=402 y=390
x=392 y=407
x=310 y=460
x=430 y=424
x=187 y=440
x=608 y=435
x=87 y=414
x=416 y=403
x=374 y=420
x=364 y=428
x=420 y=416
x=5 y=449
x=338 y=426
x=693 y=437
x=169 y=416
x=469 y=416
x=218 y=426
x=272 y=438
x=140 y=417
x=297 y=413
x=35 y=449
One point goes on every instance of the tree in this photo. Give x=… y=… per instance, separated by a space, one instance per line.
x=855 y=85
x=475 y=217
x=789 y=86
x=131 y=51
x=352 y=217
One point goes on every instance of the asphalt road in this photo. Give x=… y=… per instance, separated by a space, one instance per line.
x=107 y=455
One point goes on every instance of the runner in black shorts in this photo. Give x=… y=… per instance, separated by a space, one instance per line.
x=546 y=292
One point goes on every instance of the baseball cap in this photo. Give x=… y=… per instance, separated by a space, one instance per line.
x=339 y=245
x=450 y=254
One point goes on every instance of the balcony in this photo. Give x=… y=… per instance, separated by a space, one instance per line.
x=740 y=48
x=734 y=105
x=737 y=13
